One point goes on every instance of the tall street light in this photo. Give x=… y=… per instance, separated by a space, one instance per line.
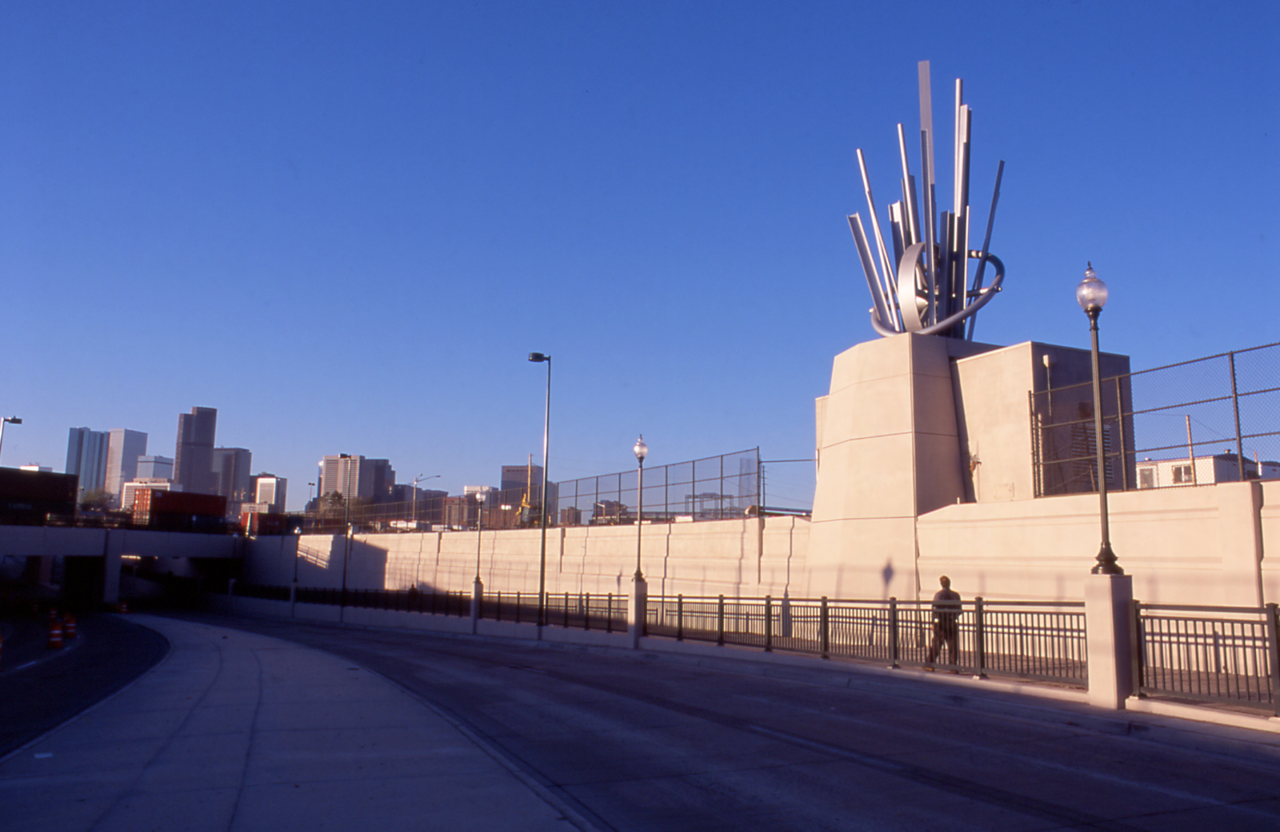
x=641 y=451
x=346 y=549
x=1091 y=294
x=416 y=480
x=7 y=420
x=479 y=530
x=538 y=358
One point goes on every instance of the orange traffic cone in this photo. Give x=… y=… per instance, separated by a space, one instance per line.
x=55 y=635
x=68 y=626
x=124 y=607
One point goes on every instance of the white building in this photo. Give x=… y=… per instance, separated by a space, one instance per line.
x=1202 y=470
x=129 y=490
x=124 y=447
x=269 y=493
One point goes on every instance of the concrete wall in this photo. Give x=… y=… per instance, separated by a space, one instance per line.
x=55 y=541
x=1181 y=546
x=1269 y=523
x=735 y=557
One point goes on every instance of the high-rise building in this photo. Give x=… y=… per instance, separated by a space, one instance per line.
x=123 y=449
x=193 y=458
x=87 y=458
x=155 y=468
x=269 y=490
x=522 y=484
x=367 y=479
x=231 y=467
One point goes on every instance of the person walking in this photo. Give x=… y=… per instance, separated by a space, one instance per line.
x=946 y=623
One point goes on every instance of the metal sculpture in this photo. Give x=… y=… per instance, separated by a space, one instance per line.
x=925 y=287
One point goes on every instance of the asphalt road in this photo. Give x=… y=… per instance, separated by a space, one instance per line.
x=40 y=689
x=630 y=741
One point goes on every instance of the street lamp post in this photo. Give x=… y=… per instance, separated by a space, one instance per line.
x=479 y=530
x=346 y=549
x=477 y=586
x=1091 y=294
x=416 y=480
x=641 y=451
x=7 y=420
x=638 y=605
x=538 y=358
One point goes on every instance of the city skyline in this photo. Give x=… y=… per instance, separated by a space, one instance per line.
x=346 y=230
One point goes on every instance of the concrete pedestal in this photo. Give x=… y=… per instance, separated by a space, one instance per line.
x=1108 y=601
x=477 y=598
x=888 y=451
x=636 y=606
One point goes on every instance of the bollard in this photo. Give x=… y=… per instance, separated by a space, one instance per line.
x=55 y=635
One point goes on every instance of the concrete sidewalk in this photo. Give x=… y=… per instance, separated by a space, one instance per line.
x=237 y=731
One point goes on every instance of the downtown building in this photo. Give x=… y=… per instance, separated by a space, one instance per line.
x=193 y=456
x=269 y=492
x=87 y=459
x=371 y=480
x=104 y=460
x=124 y=449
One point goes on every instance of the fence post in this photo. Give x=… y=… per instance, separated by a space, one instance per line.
x=768 y=624
x=1139 y=649
x=679 y=617
x=980 y=637
x=1124 y=455
x=566 y=610
x=720 y=621
x=1235 y=407
x=608 y=613
x=893 y=632
x=1273 y=648
x=824 y=630
x=586 y=614
x=517 y=607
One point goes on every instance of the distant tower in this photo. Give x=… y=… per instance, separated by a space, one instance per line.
x=231 y=468
x=123 y=449
x=155 y=468
x=367 y=479
x=87 y=458
x=270 y=490
x=193 y=458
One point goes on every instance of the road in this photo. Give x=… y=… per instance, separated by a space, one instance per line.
x=631 y=741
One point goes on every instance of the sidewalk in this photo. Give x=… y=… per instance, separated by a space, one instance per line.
x=237 y=731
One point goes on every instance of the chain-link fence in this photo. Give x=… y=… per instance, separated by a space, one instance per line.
x=714 y=488
x=1214 y=419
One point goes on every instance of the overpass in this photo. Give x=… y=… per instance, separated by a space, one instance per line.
x=94 y=559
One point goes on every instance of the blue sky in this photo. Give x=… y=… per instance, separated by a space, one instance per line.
x=345 y=225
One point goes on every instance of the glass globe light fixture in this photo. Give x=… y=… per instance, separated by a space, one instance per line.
x=1091 y=294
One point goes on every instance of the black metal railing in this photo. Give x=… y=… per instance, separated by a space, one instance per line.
x=584 y=611
x=398 y=600
x=1216 y=654
x=1028 y=640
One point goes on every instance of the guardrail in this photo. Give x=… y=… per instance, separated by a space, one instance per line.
x=1215 y=654
x=1029 y=640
